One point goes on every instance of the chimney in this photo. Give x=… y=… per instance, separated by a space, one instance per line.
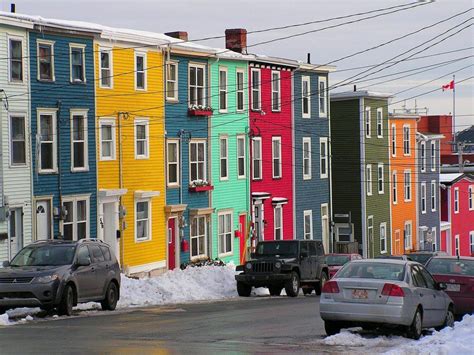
x=236 y=39
x=309 y=58
x=12 y=8
x=183 y=35
x=355 y=88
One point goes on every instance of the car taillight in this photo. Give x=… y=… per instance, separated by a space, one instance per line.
x=330 y=287
x=392 y=290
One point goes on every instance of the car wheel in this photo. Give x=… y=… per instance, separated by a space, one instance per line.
x=307 y=290
x=292 y=286
x=275 y=290
x=111 y=297
x=332 y=327
x=449 y=320
x=415 y=328
x=320 y=284
x=3 y=310
x=67 y=301
x=243 y=289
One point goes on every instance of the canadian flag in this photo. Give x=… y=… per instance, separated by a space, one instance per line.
x=449 y=86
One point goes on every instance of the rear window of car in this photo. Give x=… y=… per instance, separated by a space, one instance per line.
x=451 y=267
x=106 y=252
x=370 y=270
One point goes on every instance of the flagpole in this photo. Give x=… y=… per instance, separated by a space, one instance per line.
x=454 y=110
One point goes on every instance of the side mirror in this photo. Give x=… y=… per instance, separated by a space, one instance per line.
x=252 y=255
x=83 y=261
x=6 y=263
x=303 y=254
x=441 y=286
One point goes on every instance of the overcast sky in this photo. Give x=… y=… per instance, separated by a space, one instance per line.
x=202 y=18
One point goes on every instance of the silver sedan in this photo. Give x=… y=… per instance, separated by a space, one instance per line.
x=381 y=292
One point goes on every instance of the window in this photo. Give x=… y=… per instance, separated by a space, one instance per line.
x=78 y=70
x=306 y=158
x=17 y=140
x=456 y=245
x=141 y=139
x=15 y=54
x=383 y=237
x=196 y=85
x=48 y=142
x=423 y=197
x=407 y=185
x=240 y=90
x=322 y=94
x=380 y=123
x=257 y=158
x=308 y=224
x=276 y=91
x=380 y=182
x=323 y=157
x=79 y=156
x=241 y=157
x=197 y=160
x=142 y=220
x=278 y=224
x=46 y=61
x=172 y=161
x=394 y=140
x=470 y=197
x=225 y=233
x=456 y=200
x=368 y=178
x=433 y=195
x=408 y=235
x=223 y=89
x=172 y=82
x=394 y=187
x=423 y=157
x=276 y=157
x=140 y=74
x=306 y=96
x=76 y=221
x=433 y=156
x=106 y=75
x=367 y=122
x=224 y=158
x=198 y=236
x=406 y=140
x=471 y=242
x=107 y=139
x=256 y=93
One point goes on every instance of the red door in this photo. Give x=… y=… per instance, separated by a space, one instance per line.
x=171 y=243
x=243 y=234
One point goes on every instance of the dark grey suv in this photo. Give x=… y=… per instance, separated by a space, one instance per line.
x=60 y=274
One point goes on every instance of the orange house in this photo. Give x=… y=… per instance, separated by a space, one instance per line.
x=403 y=179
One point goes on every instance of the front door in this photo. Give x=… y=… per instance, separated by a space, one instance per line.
x=109 y=223
x=243 y=235
x=43 y=219
x=172 y=243
x=16 y=230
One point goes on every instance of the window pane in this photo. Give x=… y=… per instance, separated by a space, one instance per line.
x=78 y=127
x=105 y=59
x=79 y=154
x=46 y=156
x=69 y=206
x=68 y=232
x=46 y=123
x=141 y=131
x=200 y=76
x=142 y=210
x=82 y=230
x=140 y=62
x=201 y=151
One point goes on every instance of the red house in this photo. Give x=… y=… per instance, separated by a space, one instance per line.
x=457 y=209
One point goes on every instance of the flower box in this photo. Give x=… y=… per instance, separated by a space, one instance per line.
x=196 y=112
x=201 y=188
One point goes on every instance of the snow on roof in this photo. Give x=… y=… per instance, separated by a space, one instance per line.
x=359 y=94
x=429 y=135
x=449 y=177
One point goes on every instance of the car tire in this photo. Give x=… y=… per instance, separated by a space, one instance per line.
x=320 y=284
x=416 y=327
x=275 y=290
x=332 y=327
x=67 y=301
x=243 y=289
x=3 y=310
x=448 y=320
x=292 y=286
x=307 y=290
x=109 y=303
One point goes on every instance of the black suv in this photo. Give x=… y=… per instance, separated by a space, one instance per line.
x=287 y=264
x=60 y=274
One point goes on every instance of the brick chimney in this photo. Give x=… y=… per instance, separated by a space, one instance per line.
x=183 y=35
x=236 y=39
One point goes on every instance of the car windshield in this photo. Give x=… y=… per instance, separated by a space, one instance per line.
x=277 y=249
x=420 y=258
x=337 y=260
x=451 y=267
x=44 y=255
x=371 y=270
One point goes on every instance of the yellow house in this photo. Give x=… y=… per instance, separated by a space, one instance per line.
x=130 y=138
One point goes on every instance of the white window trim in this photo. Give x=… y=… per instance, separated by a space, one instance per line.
x=145 y=70
x=240 y=71
x=276 y=139
x=203 y=67
x=259 y=106
x=206 y=236
x=405 y=185
x=433 y=192
x=367 y=122
x=205 y=157
x=53 y=113
x=226 y=138
x=409 y=140
x=470 y=197
x=138 y=121
x=306 y=79
x=368 y=179
x=175 y=98
x=433 y=155
x=279 y=90
x=308 y=141
x=9 y=56
x=10 y=140
x=224 y=213
x=75 y=199
x=111 y=62
x=384 y=225
x=456 y=200
x=260 y=165
x=380 y=165
x=423 y=156
x=325 y=95
x=324 y=140
x=310 y=214
x=86 y=140
x=49 y=43
x=394 y=187
x=380 y=110
x=393 y=142
x=150 y=224
x=224 y=70
x=83 y=47
x=241 y=137
x=423 y=197
x=278 y=207
x=110 y=122
x=408 y=223
x=177 y=183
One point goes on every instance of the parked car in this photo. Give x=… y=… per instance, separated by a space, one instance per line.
x=336 y=261
x=393 y=257
x=376 y=293
x=61 y=274
x=423 y=256
x=284 y=264
x=458 y=274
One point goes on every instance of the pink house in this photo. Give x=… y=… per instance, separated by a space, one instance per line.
x=457 y=213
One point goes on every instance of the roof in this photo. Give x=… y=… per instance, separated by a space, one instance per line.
x=394 y=116
x=449 y=178
x=466 y=135
x=429 y=136
x=359 y=94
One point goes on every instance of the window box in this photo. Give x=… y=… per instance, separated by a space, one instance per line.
x=201 y=188
x=199 y=111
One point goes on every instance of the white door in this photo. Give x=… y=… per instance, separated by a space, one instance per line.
x=325 y=226
x=110 y=226
x=43 y=219
x=16 y=230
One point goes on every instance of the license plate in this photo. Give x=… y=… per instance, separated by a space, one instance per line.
x=360 y=294
x=453 y=287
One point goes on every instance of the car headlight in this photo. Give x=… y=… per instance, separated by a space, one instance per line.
x=45 y=279
x=278 y=265
x=248 y=266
